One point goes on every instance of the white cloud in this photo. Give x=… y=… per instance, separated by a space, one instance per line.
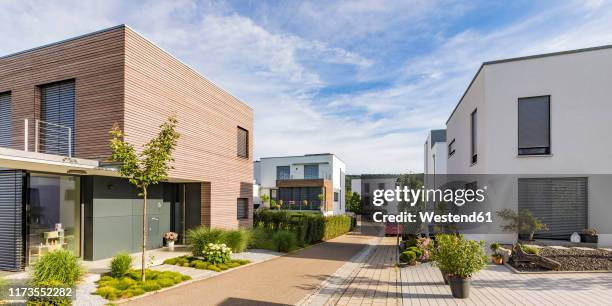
x=281 y=73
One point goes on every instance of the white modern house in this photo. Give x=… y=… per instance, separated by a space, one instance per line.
x=436 y=150
x=540 y=128
x=310 y=182
x=365 y=184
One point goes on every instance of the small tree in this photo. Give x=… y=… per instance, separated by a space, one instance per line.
x=146 y=168
x=525 y=223
x=413 y=183
x=353 y=202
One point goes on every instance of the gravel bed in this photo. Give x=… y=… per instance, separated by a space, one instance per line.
x=572 y=259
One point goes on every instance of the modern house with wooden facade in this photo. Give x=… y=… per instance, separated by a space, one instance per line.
x=311 y=182
x=57 y=187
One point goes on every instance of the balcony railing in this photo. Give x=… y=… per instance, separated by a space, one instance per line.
x=50 y=138
x=322 y=176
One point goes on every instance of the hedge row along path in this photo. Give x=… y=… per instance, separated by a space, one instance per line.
x=284 y=280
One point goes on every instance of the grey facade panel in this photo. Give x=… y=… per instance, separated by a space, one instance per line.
x=11 y=220
x=437 y=136
x=561 y=203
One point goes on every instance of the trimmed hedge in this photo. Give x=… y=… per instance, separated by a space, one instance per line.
x=309 y=228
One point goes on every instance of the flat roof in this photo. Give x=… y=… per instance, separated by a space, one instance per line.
x=305 y=155
x=522 y=58
x=120 y=26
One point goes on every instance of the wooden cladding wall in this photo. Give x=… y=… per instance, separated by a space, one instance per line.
x=156 y=86
x=95 y=62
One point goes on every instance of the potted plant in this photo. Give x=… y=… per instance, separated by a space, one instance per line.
x=589 y=235
x=439 y=254
x=465 y=259
x=496 y=257
x=170 y=237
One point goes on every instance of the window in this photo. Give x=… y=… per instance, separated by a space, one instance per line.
x=311 y=171
x=282 y=172
x=5 y=119
x=57 y=105
x=366 y=188
x=243 y=143
x=534 y=125
x=336 y=196
x=243 y=208
x=451 y=148
x=473 y=136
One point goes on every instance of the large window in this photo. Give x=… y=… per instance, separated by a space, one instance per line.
x=534 y=125
x=473 y=137
x=5 y=119
x=57 y=105
x=301 y=198
x=243 y=208
x=54 y=220
x=243 y=143
x=283 y=172
x=311 y=171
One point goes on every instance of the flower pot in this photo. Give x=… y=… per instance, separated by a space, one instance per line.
x=171 y=245
x=460 y=287
x=497 y=260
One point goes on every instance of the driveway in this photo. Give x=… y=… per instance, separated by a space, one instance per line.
x=281 y=281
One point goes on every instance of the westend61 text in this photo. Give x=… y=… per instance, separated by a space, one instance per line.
x=475 y=217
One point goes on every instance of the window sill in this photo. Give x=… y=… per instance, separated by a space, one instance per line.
x=534 y=155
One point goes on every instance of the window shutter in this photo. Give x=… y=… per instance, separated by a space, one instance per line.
x=561 y=203
x=57 y=108
x=5 y=120
x=534 y=122
x=243 y=143
x=11 y=214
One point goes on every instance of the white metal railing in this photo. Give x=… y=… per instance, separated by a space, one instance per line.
x=51 y=138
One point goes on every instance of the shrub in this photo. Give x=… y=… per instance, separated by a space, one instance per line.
x=216 y=253
x=408 y=257
x=201 y=236
x=336 y=226
x=494 y=247
x=417 y=251
x=284 y=241
x=530 y=249
x=121 y=264
x=113 y=288
x=237 y=240
x=58 y=266
x=3 y=283
x=459 y=257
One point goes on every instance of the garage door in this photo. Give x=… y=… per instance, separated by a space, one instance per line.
x=559 y=202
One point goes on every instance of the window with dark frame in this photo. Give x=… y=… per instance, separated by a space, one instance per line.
x=243 y=143
x=283 y=172
x=534 y=125
x=473 y=137
x=242 y=209
x=451 y=148
x=5 y=119
x=336 y=196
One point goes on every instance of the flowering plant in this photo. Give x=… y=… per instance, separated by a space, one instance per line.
x=424 y=244
x=171 y=236
x=216 y=253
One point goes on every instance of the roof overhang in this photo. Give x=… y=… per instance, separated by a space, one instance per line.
x=41 y=162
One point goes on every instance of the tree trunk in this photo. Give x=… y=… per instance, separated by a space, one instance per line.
x=144 y=233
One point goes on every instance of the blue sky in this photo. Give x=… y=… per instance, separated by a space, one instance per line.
x=364 y=79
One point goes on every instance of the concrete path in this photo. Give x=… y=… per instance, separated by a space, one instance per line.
x=283 y=281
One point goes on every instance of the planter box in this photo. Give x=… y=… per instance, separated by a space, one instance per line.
x=589 y=238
